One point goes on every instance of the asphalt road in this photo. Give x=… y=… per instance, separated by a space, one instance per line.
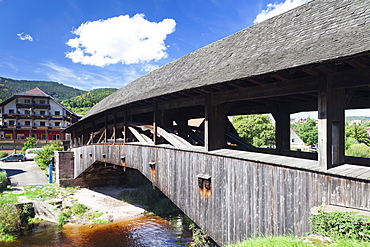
x=24 y=173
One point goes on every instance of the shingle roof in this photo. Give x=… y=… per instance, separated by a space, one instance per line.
x=36 y=92
x=318 y=31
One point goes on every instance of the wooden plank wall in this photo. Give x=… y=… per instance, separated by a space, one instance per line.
x=246 y=199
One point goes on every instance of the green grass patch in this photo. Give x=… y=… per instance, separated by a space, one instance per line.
x=291 y=241
x=100 y=221
x=270 y=241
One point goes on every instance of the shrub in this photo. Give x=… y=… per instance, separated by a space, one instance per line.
x=78 y=209
x=359 y=150
x=3 y=180
x=341 y=225
x=3 y=154
x=46 y=154
x=9 y=218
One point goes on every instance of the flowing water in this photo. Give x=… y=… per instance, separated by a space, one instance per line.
x=142 y=232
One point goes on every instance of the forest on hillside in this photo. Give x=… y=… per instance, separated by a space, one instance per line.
x=82 y=103
x=60 y=92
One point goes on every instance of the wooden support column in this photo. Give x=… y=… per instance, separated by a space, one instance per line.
x=92 y=131
x=214 y=124
x=338 y=133
x=282 y=121
x=125 y=127
x=331 y=124
x=155 y=119
x=114 y=127
x=106 y=128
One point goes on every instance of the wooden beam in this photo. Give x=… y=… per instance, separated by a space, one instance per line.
x=282 y=88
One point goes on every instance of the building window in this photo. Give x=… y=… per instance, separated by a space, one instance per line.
x=8 y=136
x=27 y=112
x=56 y=137
x=42 y=112
x=42 y=123
x=27 y=101
x=20 y=136
x=57 y=113
x=57 y=124
x=27 y=123
x=43 y=137
x=11 y=111
x=42 y=102
x=11 y=122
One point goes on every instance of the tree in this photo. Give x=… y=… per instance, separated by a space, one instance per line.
x=358 y=150
x=307 y=131
x=46 y=154
x=359 y=133
x=31 y=142
x=255 y=129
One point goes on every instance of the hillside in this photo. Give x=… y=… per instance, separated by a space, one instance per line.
x=82 y=103
x=60 y=92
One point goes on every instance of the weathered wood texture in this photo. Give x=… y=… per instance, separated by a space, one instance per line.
x=247 y=197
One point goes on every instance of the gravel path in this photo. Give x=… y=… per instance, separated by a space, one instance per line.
x=112 y=209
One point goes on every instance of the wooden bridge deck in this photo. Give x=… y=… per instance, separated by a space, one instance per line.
x=249 y=193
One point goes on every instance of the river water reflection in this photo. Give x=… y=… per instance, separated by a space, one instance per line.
x=145 y=231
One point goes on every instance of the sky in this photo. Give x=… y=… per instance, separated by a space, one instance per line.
x=90 y=44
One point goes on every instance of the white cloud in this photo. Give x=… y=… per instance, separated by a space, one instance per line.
x=274 y=9
x=120 y=40
x=23 y=36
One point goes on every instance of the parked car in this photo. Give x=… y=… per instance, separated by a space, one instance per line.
x=14 y=157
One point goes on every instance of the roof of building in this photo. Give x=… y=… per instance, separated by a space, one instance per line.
x=318 y=31
x=36 y=92
x=33 y=92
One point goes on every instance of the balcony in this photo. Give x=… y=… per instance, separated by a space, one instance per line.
x=33 y=106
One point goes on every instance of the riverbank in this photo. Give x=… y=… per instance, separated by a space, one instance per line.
x=104 y=200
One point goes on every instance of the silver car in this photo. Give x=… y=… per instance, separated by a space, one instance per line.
x=14 y=157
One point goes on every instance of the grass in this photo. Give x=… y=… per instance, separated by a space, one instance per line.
x=291 y=241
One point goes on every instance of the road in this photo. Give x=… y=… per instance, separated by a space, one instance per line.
x=24 y=173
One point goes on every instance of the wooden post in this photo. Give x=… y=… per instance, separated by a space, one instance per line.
x=106 y=128
x=207 y=116
x=125 y=127
x=324 y=128
x=331 y=124
x=338 y=126
x=155 y=119
x=92 y=132
x=215 y=124
x=282 y=121
x=114 y=127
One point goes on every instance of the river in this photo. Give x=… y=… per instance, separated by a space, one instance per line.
x=141 y=232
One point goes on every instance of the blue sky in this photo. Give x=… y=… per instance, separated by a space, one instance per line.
x=108 y=43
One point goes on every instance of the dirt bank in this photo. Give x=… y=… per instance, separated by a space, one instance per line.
x=104 y=200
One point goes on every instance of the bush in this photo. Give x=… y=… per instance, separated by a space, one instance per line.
x=3 y=180
x=341 y=225
x=10 y=220
x=3 y=154
x=358 y=150
x=46 y=154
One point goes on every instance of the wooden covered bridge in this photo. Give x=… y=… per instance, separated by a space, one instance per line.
x=313 y=58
